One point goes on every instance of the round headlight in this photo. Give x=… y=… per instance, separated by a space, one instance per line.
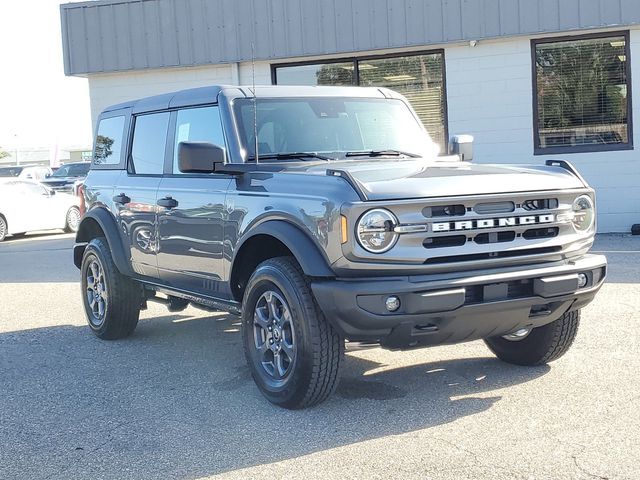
x=375 y=230
x=583 y=213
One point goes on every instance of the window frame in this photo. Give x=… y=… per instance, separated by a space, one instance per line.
x=363 y=58
x=537 y=150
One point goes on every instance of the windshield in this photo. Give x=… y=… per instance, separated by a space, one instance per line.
x=10 y=171
x=331 y=126
x=72 y=170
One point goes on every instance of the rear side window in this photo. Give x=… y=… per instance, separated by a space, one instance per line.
x=197 y=125
x=109 y=141
x=149 y=142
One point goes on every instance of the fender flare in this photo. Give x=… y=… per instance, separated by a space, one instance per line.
x=86 y=232
x=308 y=254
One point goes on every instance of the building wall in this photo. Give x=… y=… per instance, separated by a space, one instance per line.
x=489 y=94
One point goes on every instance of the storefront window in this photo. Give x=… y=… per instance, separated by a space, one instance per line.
x=420 y=78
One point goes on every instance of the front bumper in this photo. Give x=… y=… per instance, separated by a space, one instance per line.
x=453 y=308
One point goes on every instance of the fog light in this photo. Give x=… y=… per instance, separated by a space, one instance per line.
x=582 y=280
x=392 y=303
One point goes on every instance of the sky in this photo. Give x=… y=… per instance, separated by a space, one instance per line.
x=39 y=105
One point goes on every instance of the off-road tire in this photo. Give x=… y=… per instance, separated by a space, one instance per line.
x=314 y=373
x=69 y=227
x=123 y=295
x=543 y=344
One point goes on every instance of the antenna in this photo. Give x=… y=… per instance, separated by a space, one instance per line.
x=255 y=108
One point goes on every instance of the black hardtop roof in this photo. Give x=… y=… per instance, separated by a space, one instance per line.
x=204 y=95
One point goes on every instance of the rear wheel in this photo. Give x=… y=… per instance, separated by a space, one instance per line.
x=540 y=345
x=293 y=352
x=111 y=300
x=3 y=228
x=72 y=221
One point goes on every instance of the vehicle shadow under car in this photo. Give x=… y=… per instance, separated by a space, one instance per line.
x=177 y=400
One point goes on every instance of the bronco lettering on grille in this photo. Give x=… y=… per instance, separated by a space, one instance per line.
x=492 y=223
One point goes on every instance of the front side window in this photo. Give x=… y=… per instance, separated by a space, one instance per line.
x=197 y=125
x=330 y=125
x=582 y=95
x=109 y=141
x=149 y=142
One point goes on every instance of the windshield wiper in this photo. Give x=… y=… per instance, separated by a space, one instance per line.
x=380 y=153
x=288 y=156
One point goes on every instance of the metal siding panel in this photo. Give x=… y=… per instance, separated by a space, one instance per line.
x=362 y=27
x=434 y=20
x=137 y=35
x=113 y=35
x=121 y=33
x=77 y=41
x=170 y=23
x=569 y=14
x=344 y=25
x=509 y=17
x=397 y=23
x=528 y=16
x=94 y=42
x=471 y=17
x=452 y=22
x=491 y=18
x=610 y=12
x=297 y=42
x=416 y=28
x=549 y=15
x=589 y=13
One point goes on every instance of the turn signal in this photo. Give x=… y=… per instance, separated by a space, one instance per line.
x=343 y=227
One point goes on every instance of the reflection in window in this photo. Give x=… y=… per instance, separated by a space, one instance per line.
x=319 y=74
x=149 y=141
x=197 y=125
x=581 y=94
x=109 y=141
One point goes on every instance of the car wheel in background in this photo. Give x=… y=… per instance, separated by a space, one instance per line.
x=72 y=221
x=111 y=300
x=4 y=229
x=292 y=350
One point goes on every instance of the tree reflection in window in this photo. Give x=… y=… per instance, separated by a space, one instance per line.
x=109 y=141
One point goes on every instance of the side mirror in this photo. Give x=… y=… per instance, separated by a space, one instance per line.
x=462 y=145
x=200 y=157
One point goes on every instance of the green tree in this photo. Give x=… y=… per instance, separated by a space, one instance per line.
x=3 y=154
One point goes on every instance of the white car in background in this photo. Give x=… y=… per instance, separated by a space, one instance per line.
x=18 y=172
x=27 y=206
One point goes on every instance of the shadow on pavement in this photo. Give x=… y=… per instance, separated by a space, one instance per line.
x=176 y=400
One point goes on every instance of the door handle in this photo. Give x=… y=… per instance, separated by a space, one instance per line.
x=122 y=199
x=167 y=202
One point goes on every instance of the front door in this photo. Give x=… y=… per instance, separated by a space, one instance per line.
x=191 y=212
x=135 y=194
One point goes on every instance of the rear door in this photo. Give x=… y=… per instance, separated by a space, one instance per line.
x=191 y=222
x=136 y=190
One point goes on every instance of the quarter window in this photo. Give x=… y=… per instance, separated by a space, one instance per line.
x=582 y=94
x=149 y=142
x=197 y=125
x=109 y=141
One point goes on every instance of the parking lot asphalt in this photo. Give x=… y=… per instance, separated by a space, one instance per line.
x=175 y=400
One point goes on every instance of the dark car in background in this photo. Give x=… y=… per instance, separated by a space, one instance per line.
x=68 y=177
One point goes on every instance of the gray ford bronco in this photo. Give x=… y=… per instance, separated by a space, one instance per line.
x=339 y=222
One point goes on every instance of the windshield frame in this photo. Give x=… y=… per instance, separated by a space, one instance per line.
x=247 y=155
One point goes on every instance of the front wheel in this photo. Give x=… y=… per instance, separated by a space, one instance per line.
x=540 y=345
x=111 y=300
x=293 y=352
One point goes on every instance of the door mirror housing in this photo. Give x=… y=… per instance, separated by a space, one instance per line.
x=200 y=157
x=462 y=145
